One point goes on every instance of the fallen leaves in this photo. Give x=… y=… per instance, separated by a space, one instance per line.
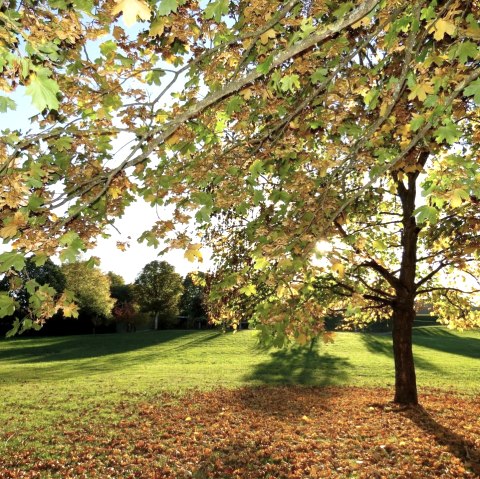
x=287 y=432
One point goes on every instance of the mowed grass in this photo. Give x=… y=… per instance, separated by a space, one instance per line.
x=50 y=387
x=146 y=363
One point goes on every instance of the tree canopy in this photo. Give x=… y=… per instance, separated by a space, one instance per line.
x=91 y=289
x=290 y=123
x=158 y=289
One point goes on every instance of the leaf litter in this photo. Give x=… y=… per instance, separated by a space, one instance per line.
x=265 y=432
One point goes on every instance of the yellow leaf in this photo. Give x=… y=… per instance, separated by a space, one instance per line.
x=115 y=192
x=306 y=419
x=173 y=140
x=188 y=418
x=70 y=310
x=455 y=198
x=339 y=269
x=246 y=93
x=193 y=252
x=132 y=9
x=420 y=91
x=443 y=26
x=9 y=230
x=264 y=37
x=157 y=28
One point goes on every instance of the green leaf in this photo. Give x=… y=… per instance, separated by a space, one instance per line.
x=249 y=290
x=464 y=51
x=379 y=245
x=31 y=286
x=43 y=91
x=474 y=90
x=108 y=47
x=319 y=75
x=35 y=202
x=63 y=143
x=264 y=67
x=11 y=260
x=216 y=9
x=449 y=133
x=15 y=327
x=234 y=105
x=417 y=122
x=343 y=9
x=426 y=213
x=290 y=82
x=261 y=263
x=7 y=305
x=40 y=259
x=7 y=104
x=167 y=6
x=155 y=76
x=371 y=98
x=256 y=168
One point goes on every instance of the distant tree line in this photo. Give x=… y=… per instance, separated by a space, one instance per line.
x=159 y=298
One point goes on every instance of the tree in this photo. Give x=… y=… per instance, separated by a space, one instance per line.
x=158 y=290
x=295 y=122
x=125 y=310
x=28 y=286
x=92 y=291
x=192 y=302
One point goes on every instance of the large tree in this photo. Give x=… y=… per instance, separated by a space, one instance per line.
x=293 y=122
x=92 y=291
x=158 y=290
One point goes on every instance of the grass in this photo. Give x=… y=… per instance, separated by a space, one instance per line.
x=147 y=362
x=49 y=384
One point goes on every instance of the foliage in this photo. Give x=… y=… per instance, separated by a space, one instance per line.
x=91 y=289
x=47 y=273
x=192 y=302
x=158 y=289
x=29 y=287
x=292 y=123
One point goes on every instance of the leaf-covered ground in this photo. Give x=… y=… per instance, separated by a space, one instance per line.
x=268 y=432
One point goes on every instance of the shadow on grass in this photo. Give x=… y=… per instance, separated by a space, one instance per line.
x=300 y=366
x=381 y=344
x=70 y=348
x=441 y=339
x=461 y=448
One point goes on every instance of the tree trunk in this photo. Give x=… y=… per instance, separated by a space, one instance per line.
x=405 y=378
x=156 y=320
x=406 y=289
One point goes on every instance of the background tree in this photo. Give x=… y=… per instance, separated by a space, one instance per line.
x=92 y=291
x=27 y=287
x=158 y=289
x=126 y=309
x=305 y=110
x=192 y=302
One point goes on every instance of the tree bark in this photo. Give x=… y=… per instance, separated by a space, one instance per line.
x=406 y=290
x=405 y=378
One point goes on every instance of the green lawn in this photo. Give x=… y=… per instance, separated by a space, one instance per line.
x=48 y=385
x=148 y=362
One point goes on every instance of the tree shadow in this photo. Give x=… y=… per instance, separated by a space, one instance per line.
x=441 y=339
x=70 y=348
x=382 y=344
x=300 y=366
x=465 y=450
